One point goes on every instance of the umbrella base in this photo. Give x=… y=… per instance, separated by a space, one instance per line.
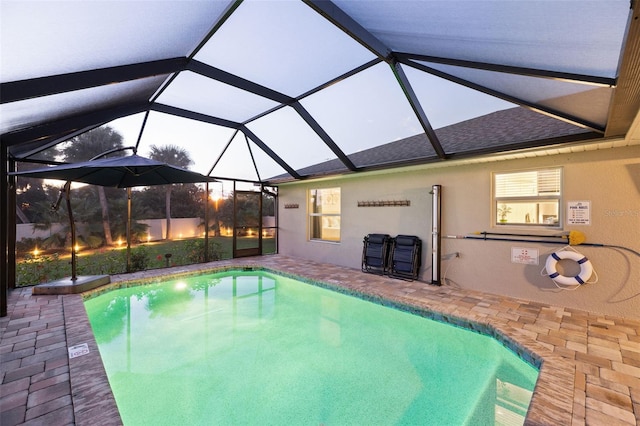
x=68 y=286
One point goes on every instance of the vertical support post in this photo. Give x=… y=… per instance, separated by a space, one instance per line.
x=206 y=222
x=260 y=217
x=276 y=212
x=128 y=229
x=235 y=213
x=11 y=226
x=4 y=226
x=436 y=236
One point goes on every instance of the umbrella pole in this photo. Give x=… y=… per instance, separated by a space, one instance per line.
x=128 y=229
x=72 y=226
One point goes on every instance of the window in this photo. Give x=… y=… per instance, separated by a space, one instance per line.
x=530 y=198
x=324 y=214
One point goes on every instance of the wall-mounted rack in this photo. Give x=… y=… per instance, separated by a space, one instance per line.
x=388 y=203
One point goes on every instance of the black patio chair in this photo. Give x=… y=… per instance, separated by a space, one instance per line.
x=406 y=253
x=375 y=253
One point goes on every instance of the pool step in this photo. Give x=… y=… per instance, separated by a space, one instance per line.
x=512 y=403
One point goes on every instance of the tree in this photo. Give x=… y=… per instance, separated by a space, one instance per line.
x=175 y=156
x=32 y=194
x=186 y=201
x=224 y=212
x=88 y=145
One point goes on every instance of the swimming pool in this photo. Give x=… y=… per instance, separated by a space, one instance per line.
x=253 y=347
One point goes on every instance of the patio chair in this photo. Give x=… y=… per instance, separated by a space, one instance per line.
x=406 y=253
x=375 y=253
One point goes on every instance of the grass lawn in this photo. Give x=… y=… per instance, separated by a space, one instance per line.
x=31 y=270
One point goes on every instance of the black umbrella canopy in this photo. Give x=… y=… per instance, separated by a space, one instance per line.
x=119 y=172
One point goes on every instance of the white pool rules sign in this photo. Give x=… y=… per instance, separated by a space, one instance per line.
x=579 y=213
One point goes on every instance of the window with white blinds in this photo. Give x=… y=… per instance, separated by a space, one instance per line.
x=528 y=184
x=324 y=214
x=530 y=198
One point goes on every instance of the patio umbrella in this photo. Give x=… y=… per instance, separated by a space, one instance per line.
x=117 y=172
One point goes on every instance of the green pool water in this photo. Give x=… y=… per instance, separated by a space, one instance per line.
x=253 y=348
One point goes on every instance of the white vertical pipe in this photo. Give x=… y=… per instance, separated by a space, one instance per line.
x=436 y=222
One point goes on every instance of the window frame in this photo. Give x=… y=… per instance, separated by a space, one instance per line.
x=537 y=199
x=312 y=214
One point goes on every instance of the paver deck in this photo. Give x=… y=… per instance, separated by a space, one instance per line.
x=590 y=370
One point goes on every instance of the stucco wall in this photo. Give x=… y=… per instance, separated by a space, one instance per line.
x=609 y=179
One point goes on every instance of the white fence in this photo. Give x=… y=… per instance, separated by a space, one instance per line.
x=180 y=228
x=26 y=230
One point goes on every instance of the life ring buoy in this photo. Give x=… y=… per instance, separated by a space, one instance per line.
x=586 y=269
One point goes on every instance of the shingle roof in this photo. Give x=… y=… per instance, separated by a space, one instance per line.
x=515 y=126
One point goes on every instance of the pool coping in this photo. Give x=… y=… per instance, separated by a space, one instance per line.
x=561 y=392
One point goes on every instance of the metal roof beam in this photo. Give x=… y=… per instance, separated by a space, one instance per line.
x=61 y=83
x=347 y=24
x=507 y=69
x=223 y=18
x=253 y=160
x=185 y=113
x=239 y=82
x=316 y=89
x=540 y=108
x=226 y=123
x=405 y=84
x=63 y=128
x=269 y=152
x=215 y=163
x=340 y=78
x=324 y=136
x=231 y=8
x=24 y=151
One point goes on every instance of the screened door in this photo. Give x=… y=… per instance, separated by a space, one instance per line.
x=247 y=235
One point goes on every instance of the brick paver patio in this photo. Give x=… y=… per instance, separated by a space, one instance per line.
x=590 y=370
